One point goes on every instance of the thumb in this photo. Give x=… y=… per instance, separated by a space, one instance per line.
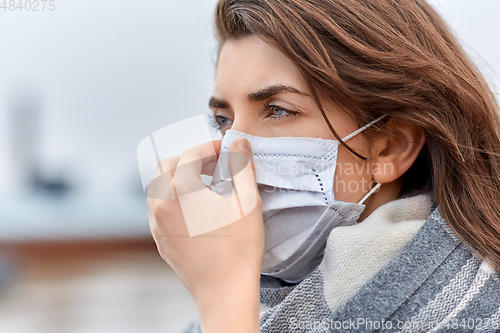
x=240 y=156
x=243 y=173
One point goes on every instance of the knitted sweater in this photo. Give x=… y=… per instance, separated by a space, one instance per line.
x=401 y=270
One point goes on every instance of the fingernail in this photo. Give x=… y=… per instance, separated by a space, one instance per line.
x=243 y=145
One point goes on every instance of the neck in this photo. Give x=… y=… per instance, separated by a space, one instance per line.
x=387 y=193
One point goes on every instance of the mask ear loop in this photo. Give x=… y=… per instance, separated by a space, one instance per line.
x=353 y=134
x=374 y=189
x=318 y=103
x=361 y=129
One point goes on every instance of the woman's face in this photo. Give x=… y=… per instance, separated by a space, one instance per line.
x=259 y=91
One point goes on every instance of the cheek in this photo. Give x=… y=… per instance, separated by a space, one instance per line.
x=310 y=127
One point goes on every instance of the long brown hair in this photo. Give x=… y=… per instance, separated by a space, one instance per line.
x=396 y=57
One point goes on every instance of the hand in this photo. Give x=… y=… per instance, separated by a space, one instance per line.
x=221 y=265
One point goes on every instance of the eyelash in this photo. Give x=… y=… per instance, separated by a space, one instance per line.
x=212 y=119
x=267 y=107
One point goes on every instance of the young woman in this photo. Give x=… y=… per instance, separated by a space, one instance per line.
x=422 y=252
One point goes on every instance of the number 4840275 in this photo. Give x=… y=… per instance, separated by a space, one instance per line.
x=28 y=5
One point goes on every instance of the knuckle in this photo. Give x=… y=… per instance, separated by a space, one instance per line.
x=186 y=183
x=167 y=164
x=159 y=212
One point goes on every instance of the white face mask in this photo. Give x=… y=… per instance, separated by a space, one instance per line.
x=295 y=177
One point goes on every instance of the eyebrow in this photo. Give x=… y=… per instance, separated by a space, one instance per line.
x=257 y=96
x=215 y=103
x=270 y=91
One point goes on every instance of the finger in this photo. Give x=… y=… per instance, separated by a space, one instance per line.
x=210 y=163
x=167 y=164
x=243 y=174
x=162 y=187
x=217 y=144
x=187 y=175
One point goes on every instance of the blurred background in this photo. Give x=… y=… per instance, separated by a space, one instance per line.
x=80 y=87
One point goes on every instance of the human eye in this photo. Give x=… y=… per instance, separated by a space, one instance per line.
x=277 y=112
x=220 y=123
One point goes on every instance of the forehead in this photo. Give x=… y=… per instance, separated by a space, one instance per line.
x=249 y=64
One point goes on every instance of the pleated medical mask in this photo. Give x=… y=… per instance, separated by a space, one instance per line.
x=295 y=178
